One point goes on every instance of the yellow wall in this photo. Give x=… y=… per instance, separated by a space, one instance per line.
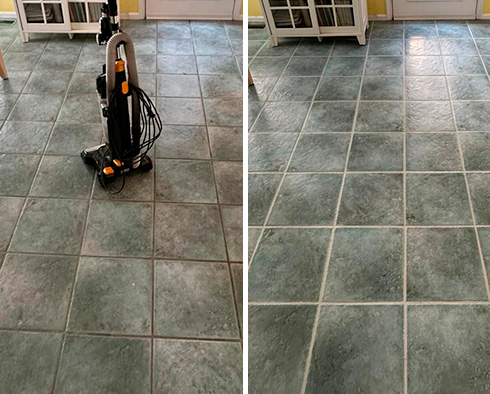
x=126 y=5
x=486 y=7
x=375 y=7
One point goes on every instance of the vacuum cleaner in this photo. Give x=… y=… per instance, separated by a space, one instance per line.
x=131 y=123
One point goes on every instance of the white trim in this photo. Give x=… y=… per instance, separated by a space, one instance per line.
x=484 y=16
x=236 y=10
x=142 y=9
x=379 y=17
x=389 y=9
x=8 y=15
x=130 y=15
x=435 y=17
x=190 y=17
x=479 y=9
x=256 y=19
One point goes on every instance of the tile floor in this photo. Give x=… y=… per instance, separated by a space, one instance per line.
x=368 y=205
x=138 y=292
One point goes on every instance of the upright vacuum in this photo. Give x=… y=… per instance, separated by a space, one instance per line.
x=130 y=120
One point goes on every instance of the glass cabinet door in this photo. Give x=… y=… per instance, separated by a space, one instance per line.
x=291 y=17
x=43 y=15
x=335 y=13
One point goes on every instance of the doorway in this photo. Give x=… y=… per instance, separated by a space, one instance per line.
x=434 y=9
x=190 y=9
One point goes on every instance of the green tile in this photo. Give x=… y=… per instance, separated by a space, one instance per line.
x=382 y=88
x=281 y=117
x=311 y=46
x=48 y=82
x=261 y=191
x=455 y=334
x=472 y=115
x=233 y=226
x=112 y=296
x=253 y=237
x=175 y=46
x=452 y=29
x=306 y=66
x=333 y=116
x=422 y=46
x=226 y=143
x=268 y=66
x=433 y=152
x=183 y=142
x=386 y=47
x=169 y=64
x=57 y=61
x=345 y=66
x=218 y=65
x=270 y=152
x=321 y=152
x=465 y=47
x=281 y=335
x=469 y=87
x=479 y=29
x=306 y=200
x=338 y=88
x=429 y=116
x=420 y=29
x=35 y=291
x=376 y=152
x=22 y=61
x=226 y=86
x=62 y=176
x=348 y=47
x=352 y=340
x=193 y=367
x=71 y=139
x=138 y=186
x=7 y=103
x=424 y=65
x=194 y=299
x=16 y=173
x=479 y=191
x=16 y=81
x=181 y=111
x=443 y=264
x=384 y=116
x=286 y=47
x=426 y=88
x=11 y=208
x=28 y=361
x=381 y=30
x=366 y=265
x=185 y=181
x=463 y=65
x=261 y=89
x=24 y=137
x=178 y=86
x=224 y=112
x=102 y=364
x=483 y=46
x=372 y=199
x=229 y=181
x=189 y=232
x=50 y=226
x=119 y=229
x=437 y=199
x=81 y=108
x=37 y=108
x=288 y=265
x=294 y=89
x=386 y=65
x=237 y=275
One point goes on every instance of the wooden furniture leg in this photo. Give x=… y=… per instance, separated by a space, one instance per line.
x=3 y=68
x=250 y=79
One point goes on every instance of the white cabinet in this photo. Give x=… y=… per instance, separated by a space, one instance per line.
x=58 y=16
x=316 y=18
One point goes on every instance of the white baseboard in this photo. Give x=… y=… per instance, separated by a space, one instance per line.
x=130 y=15
x=484 y=16
x=256 y=19
x=379 y=17
x=8 y=15
x=238 y=17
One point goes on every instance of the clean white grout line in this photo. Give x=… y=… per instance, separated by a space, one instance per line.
x=332 y=235
x=365 y=303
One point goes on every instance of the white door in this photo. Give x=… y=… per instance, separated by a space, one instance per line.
x=189 y=9
x=434 y=9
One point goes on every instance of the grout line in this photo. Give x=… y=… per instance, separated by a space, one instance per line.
x=366 y=303
x=332 y=236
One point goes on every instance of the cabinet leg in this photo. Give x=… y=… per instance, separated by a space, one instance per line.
x=3 y=68
x=24 y=36
x=362 y=39
x=320 y=39
x=274 y=41
x=71 y=35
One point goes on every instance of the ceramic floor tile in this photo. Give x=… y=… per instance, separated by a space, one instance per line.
x=479 y=29
x=349 y=48
x=50 y=226
x=465 y=47
x=24 y=137
x=16 y=81
x=76 y=181
x=225 y=86
x=433 y=152
x=261 y=89
x=338 y=88
x=479 y=191
x=472 y=115
x=193 y=366
x=455 y=334
x=281 y=117
x=16 y=173
x=29 y=361
x=229 y=181
x=310 y=46
x=254 y=47
x=286 y=47
x=57 y=61
x=384 y=65
x=38 y=108
x=102 y=364
x=237 y=274
x=443 y=264
x=424 y=65
x=48 y=82
x=429 y=116
x=306 y=66
x=189 y=232
x=372 y=199
x=181 y=111
x=320 y=152
x=112 y=296
x=182 y=64
x=233 y=227
x=420 y=30
x=184 y=181
x=344 y=66
x=341 y=348
x=268 y=66
x=376 y=152
x=194 y=299
x=7 y=103
x=382 y=88
x=452 y=29
x=119 y=229
x=426 y=88
x=226 y=143
x=334 y=116
x=175 y=46
x=463 y=65
x=280 y=334
x=183 y=142
x=224 y=112
x=366 y=265
x=483 y=46
x=83 y=83
x=71 y=138
x=294 y=89
x=261 y=191
x=469 y=87
x=382 y=116
x=390 y=47
x=270 y=152
x=253 y=237
x=11 y=208
x=212 y=46
x=387 y=31
x=288 y=265
x=81 y=108
x=22 y=61
x=306 y=200
x=422 y=47
x=178 y=86
x=36 y=291
x=439 y=199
